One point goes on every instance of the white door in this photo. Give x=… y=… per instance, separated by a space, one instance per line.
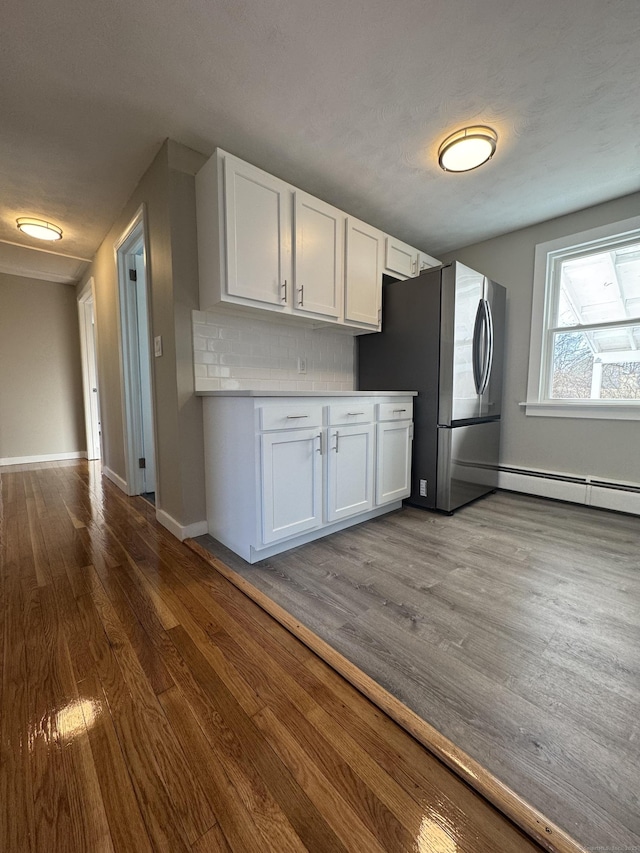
x=393 y=462
x=400 y=258
x=135 y=336
x=148 y=472
x=363 y=273
x=291 y=483
x=258 y=233
x=90 y=372
x=349 y=471
x=319 y=256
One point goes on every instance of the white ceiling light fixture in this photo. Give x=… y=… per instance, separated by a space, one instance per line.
x=39 y=228
x=467 y=149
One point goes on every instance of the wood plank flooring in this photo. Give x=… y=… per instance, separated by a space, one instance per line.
x=148 y=705
x=512 y=628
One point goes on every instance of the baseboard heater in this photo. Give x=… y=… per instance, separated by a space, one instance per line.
x=606 y=494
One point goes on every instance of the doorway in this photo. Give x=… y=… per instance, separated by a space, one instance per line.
x=88 y=350
x=135 y=348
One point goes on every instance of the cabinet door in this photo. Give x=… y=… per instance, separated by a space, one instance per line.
x=363 y=273
x=258 y=233
x=400 y=258
x=291 y=483
x=349 y=471
x=319 y=256
x=425 y=262
x=393 y=461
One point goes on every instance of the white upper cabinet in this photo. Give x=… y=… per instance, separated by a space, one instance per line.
x=318 y=256
x=363 y=273
x=404 y=261
x=257 y=230
x=266 y=245
x=400 y=258
x=425 y=262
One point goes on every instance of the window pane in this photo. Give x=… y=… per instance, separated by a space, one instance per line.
x=599 y=288
x=572 y=367
x=621 y=381
x=603 y=364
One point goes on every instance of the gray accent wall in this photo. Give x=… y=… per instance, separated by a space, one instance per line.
x=41 y=411
x=607 y=449
x=167 y=189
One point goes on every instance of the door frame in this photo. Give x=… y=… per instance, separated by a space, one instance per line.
x=89 y=343
x=135 y=233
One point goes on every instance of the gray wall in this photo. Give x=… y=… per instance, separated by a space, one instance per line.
x=41 y=410
x=605 y=448
x=167 y=190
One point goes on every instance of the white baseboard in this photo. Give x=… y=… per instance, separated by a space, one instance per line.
x=589 y=490
x=115 y=478
x=43 y=457
x=181 y=531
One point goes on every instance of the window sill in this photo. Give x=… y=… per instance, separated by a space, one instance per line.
x=608 y=410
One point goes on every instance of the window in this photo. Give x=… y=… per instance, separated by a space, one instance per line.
x=585 y=333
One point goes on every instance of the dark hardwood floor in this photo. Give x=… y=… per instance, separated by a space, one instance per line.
x=512 y=628
x=148 y=705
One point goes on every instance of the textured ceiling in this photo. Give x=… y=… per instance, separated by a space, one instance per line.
x=347 y=100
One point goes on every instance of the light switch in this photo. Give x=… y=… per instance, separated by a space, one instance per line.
x=157 y=346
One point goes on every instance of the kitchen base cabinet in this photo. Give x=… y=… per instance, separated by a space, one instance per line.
x=393 y=474
x=349 y=471
x=291 y=491
x=282 y=470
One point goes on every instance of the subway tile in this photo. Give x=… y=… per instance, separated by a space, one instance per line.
x=229 y=385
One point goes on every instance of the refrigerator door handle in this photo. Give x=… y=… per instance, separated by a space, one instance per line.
x=487 y=329
x=475 y=349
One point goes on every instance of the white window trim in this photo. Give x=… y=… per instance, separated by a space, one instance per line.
x=536 y=404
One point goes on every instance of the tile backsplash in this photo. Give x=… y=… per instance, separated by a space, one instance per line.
x=234 y=352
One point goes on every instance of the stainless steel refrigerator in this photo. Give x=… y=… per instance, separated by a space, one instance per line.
x=443 y=336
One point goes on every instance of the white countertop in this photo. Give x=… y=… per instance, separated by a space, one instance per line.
x=306 y=393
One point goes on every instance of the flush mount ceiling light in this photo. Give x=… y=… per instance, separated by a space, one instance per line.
x=467 y=149
x=39 y=228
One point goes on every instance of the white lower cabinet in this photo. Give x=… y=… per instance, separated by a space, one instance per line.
x=349 y=471
x=291 y=483
x=393 y=461
x=281 y=471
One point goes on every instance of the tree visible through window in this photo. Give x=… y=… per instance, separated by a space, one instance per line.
x=592 y=347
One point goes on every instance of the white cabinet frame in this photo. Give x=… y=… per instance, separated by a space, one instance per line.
x=393 y=461
x=291 y=483
x=350 y=457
